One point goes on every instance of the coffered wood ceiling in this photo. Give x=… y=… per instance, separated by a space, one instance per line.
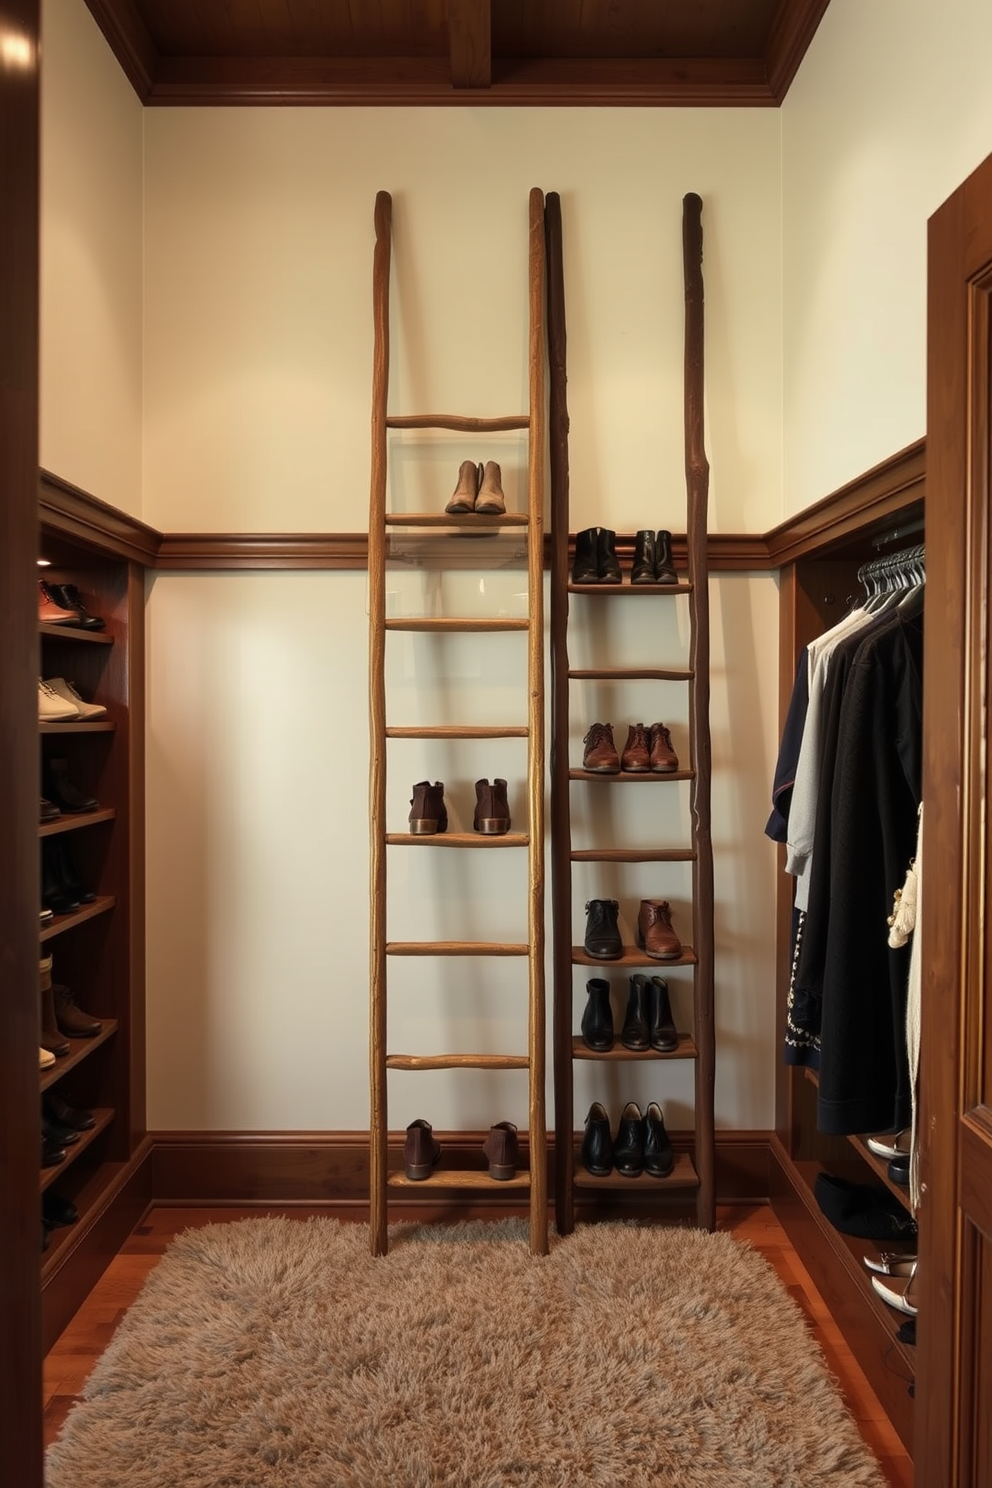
x=539 y=52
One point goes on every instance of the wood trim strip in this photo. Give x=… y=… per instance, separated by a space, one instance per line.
x=129 y=41
x=792 y=31
x=73 y=512
x=263 y=550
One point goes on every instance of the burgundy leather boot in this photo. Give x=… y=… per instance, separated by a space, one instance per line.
x=427 y=809
x=492 y=813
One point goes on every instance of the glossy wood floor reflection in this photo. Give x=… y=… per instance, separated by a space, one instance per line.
x=79 y=1347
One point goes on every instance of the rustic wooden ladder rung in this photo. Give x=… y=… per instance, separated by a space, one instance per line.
x=533 y=1182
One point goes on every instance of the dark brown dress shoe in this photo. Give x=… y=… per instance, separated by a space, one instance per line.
x=662 y=756
x=71 y=1020
x=636 y=1033
x=501 y=1151
x=64 y=792
x=628 y=1145
x=597 y=1020
x=664 y=1035
x=602 y=938
x=492 y=813
x=600 y=753
x=61 y=1111
x=596 y=1153
x=659 y=1159
x=636 y=757
x=420 y=1150
x=48 y=811
x=655 y=935
x=428 y=813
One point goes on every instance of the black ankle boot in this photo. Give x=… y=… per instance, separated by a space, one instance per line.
x=584 y=570
x=636 y=1032
x=597 y=1020
x=64 y=792
x=643 y=569
x=664 y=568
x=664 y=1036
x=602 y=932
x=54 y=893
x=607 y=564
x=628 y=1144
x=66 y=870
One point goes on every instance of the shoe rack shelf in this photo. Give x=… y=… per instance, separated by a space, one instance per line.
x=574 y=605
x=97 y=949
x=452 y=541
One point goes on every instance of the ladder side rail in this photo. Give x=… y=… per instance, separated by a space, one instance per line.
x=378 y=1153
x=697 y=490
x=535 y=744
x=561 y=830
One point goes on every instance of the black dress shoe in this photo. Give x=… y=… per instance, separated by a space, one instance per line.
x=63 y=792
x=55 y=1210
x=54 y=895
x=56 y=1109
x=584 y=570
x=664 y=1035
x=664 y=568
x=607 y=563
x=56 y=1135
x=65 y=870
x=597 y=1020
x=596 y=1154
x=628 y=1146
x=898 y=1169
x=635 y=1033
x=602 y=938
x=659 y=1159
x=48 y=811
x=643 y=567
x=68 y=597
x=51 y=1155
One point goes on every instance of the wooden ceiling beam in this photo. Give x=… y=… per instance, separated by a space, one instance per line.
x=470 y=43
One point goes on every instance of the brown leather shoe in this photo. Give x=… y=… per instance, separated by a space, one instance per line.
x=501 y=1150
x=492 y=813
x=663 y=756
x=421 y=1150
x=465 y=492
x=428 y=813
x=50 y=1038
x=71 y=1020
x=600 y=753
x=655 y=935
x=490 y=499
x=50 y=612
x=636 y=757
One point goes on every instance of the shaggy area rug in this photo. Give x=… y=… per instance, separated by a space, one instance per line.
x=276 y=1353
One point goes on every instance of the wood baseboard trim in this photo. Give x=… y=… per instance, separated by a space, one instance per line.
x=246 y=1168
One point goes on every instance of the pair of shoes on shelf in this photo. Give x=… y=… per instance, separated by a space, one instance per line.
x=61 y=891
x=479 y=489
x=63 y=792
x=641 y=1143
x=422 y=1151
x=898 y=1289
x=647 y=1024
x=655 y=934
x=595 y=560
x=62 y=604
x=647 y=750
x=653 y=559
x=429 y=815
x=61 y=1019
x=59 y=702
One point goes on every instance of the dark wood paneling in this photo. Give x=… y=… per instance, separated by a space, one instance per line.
x=20 y=1308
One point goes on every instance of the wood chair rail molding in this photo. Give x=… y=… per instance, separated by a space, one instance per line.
x=864 y=506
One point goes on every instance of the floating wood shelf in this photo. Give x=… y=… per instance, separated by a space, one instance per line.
x=79 y=1049
x=101 y=905
x=686 y=1050
x=77 y=820
x=682 y=1176
x=458 y=839
x=454 y=948
x=632 y=956
x=460 y=1178
x=456 y=1061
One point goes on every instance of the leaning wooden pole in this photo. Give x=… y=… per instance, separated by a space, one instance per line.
x=697 y=475
x=378 y=1129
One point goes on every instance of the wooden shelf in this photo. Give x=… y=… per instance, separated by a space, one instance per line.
x=79 y=726
x=461 y=423
x=102 y=1119
x=458 y=839
x=631 y=674
x=626 y=587
x=460 y=1178
x=457 y=1061
x=444 y=625
x=461 y=731
x=88 y=1199
x=459 y=521
x=627 y=777
x=75 y=633
x=632 y=956
x=456 y=948
x=75 y=821
x=633 y=855
x=682 y=1176
x=686 y=1050
x=102 y=904
x=79 y=1050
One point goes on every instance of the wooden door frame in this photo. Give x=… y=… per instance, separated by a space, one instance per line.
x=20 y=1296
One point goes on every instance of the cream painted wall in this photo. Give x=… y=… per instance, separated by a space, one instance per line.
x=91 y=261
x=258 y=854
x=258 y=301
x=890 y=111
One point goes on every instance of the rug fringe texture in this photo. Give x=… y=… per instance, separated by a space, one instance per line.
x=278 y=1353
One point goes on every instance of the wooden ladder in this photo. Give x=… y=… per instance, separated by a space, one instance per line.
x=381 y=521
x=692 y=1177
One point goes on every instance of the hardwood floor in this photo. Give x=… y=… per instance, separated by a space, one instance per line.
x=77 y=1350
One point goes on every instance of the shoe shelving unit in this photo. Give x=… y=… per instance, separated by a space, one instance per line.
x=441 y=532
x=579 y=606
x=97 y=949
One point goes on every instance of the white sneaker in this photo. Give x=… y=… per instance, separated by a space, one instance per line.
x=67 y=691
x=890 y=1146
x=53 y=707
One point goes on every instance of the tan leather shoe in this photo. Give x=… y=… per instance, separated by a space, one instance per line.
x=465 y=492
x=490 y=499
